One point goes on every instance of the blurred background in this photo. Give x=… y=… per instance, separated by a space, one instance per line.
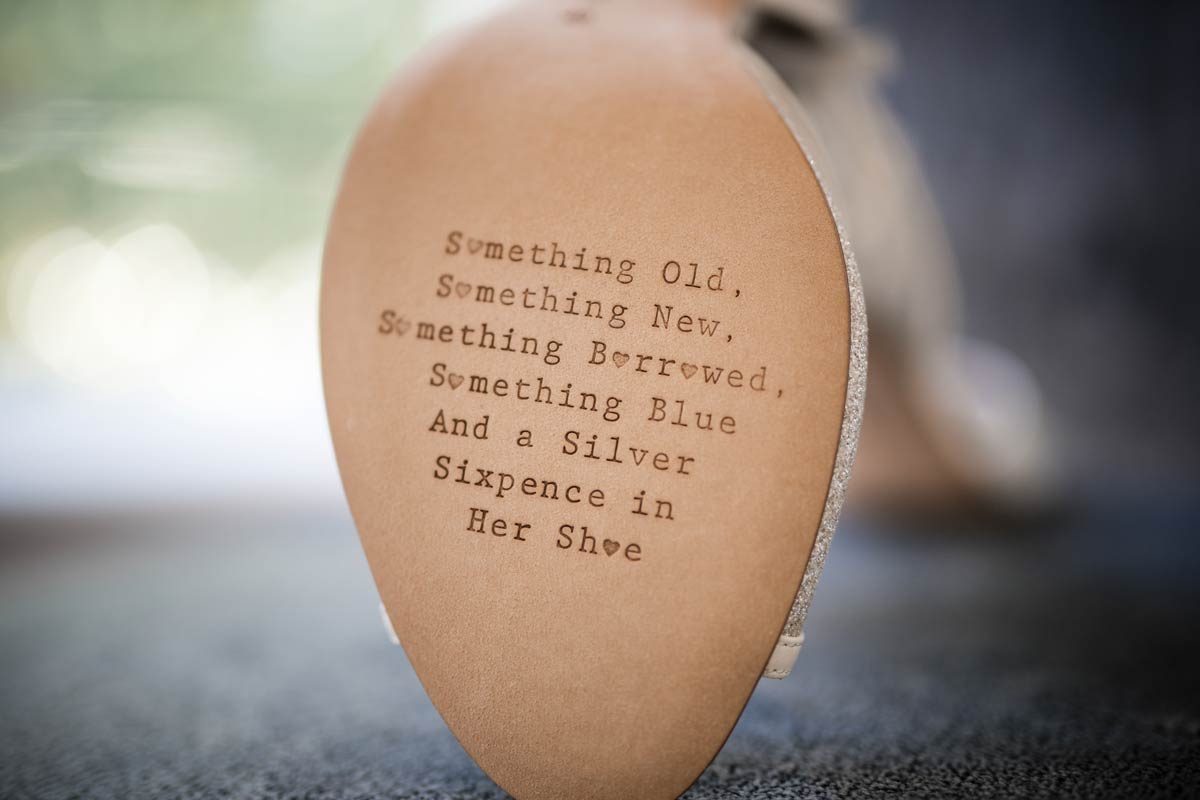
x=167 y=173
x=183 y=605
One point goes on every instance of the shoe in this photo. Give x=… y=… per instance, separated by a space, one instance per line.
x=955 y=425
x=594 y=356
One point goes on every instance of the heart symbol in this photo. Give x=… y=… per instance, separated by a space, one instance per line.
x=620 y=359
x=402 y=326
x=455 y=380
x=462 y=289
x=473 y=245
x=688 y=370
x=611 y=547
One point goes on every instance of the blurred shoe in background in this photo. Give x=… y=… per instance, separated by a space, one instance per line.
x=952 y=424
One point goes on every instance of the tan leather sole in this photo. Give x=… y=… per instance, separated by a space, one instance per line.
x=593 y=356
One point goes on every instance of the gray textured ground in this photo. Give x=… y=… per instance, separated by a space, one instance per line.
x=227 y=659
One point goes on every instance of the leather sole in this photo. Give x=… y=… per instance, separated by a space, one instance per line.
x=593 y=353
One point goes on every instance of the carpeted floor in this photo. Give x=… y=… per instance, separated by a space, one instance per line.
x=228 y=659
